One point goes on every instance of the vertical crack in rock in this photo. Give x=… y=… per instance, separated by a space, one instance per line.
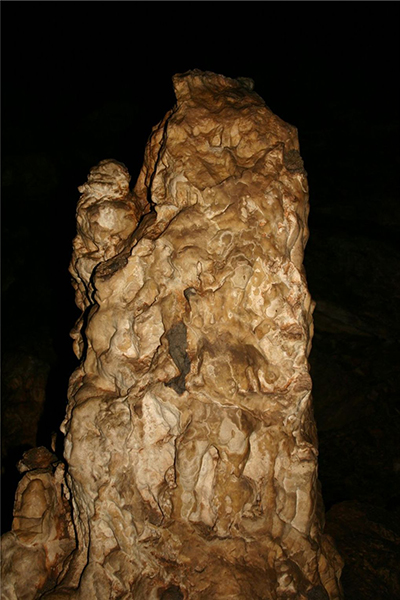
x=201 y=485
x=177 y=341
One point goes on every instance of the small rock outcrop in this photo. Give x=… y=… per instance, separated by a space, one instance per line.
x=189 y=435
x=37 y=549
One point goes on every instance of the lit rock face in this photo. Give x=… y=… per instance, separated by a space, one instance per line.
x=190 y=438
x=36 y=551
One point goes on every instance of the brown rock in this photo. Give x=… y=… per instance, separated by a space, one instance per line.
x=190 y=438
x=36 y=458
x=36 y=550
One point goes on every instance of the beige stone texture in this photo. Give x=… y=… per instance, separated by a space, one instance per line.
x=36 y=552
x=190 y=437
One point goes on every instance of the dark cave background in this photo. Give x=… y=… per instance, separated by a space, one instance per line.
x=83 y=84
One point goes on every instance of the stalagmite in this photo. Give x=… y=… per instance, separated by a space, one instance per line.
x=36 y=551
x=190 y=440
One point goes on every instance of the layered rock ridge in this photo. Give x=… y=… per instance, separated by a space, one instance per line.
x=190 y=438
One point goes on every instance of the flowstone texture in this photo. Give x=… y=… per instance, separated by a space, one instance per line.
x=190 y=438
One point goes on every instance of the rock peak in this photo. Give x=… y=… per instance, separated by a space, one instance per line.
x=203 y=84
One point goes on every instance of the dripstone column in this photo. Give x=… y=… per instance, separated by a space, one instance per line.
x=190 y=438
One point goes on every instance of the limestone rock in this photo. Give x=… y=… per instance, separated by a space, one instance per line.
x=36 y=550
x=190 y=437
x=107 y=214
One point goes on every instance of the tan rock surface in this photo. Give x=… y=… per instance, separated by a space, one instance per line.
x=37 y=549
x=190 y=437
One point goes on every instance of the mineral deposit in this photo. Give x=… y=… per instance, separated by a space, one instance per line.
x=189 y=435
x=36 y=551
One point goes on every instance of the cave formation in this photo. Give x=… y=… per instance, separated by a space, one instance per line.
x=190 y=442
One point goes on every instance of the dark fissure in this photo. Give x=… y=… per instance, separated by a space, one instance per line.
x=177 y=341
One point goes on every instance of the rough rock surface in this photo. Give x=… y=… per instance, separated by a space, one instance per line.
x=190 y=437
x=36 y=551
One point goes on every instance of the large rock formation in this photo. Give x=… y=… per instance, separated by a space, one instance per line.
x=190 y=438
